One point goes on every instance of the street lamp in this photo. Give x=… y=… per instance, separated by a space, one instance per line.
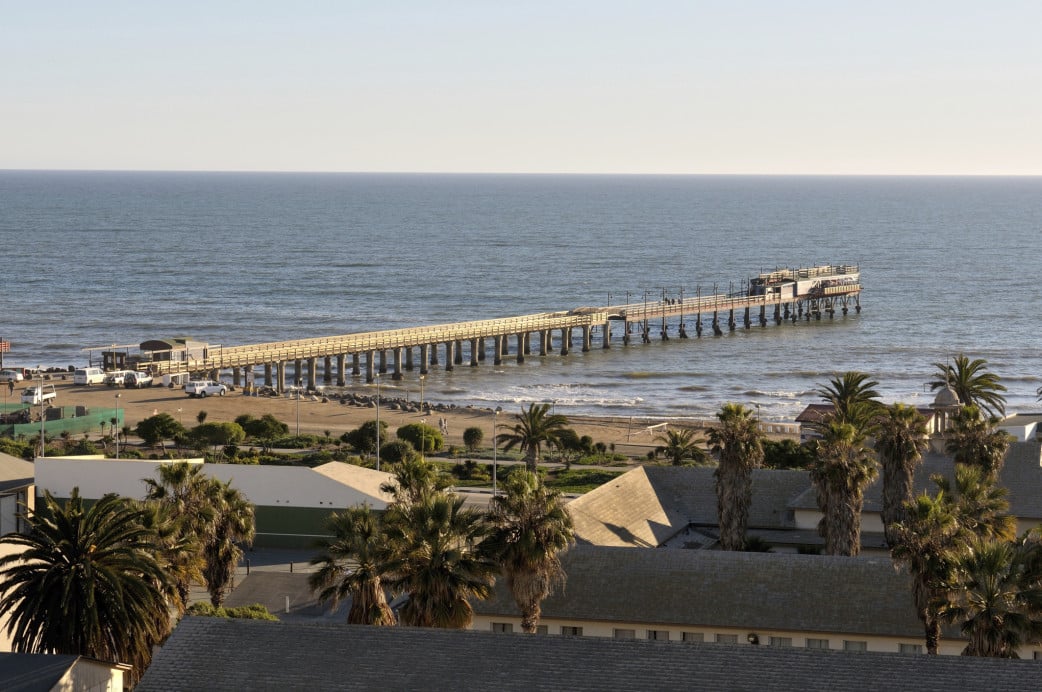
x=495 y=447
x=116 y=426
x=298 y=410
x=377 y=378
x=43 y=417
x=423 y=437
x=422 y=378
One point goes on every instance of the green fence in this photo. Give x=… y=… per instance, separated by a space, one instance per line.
x=72 y=419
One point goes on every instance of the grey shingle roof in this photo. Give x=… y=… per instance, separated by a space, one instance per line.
x=33 y=672
x=648 y=505
x=766 y=591
x=1021 y=475
x=215 y=654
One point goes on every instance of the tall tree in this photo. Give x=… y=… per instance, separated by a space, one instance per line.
x=681 y=444
x=972 y=382
x=414 y=480
x=531 y=528
x=738 y=445
x=352 y=565
x=438 y=560
x=841 y=471
x=854 y=399
x=233 y=525
x=182 y=491
x=975 y=440
x=86 y=582
x=978 y=503
x=992 y=603
x=900 y=441
x=536 y=426
x=923 y=542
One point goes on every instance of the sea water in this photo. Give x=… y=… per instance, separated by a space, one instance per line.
x=948 y=265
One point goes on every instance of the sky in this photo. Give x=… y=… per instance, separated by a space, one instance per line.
x=650 y=87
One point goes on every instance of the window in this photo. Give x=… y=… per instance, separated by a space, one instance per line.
x=502 y=627
x=541 y=629
x=727 y=639
x=693 y=637
x=1037 y=655
x=781 y=641
x=660 y=635
x=854 y=646
x=572 y=631
x=625 y=634
x=917 y=649
x=817 y=643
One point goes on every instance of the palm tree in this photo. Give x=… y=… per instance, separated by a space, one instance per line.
x=535 y=427
x=923 y=542
x=900 y=441
x=840 y=472
x=352 y=565
x=975 y=440
x=85 y=582
x=978 y=503
x=853 y=397
x=994 y=607
x=415 y=479
x=679 y=445
x=532 y=527
x=972 y=382
x=233 y=525
x=437 y=560
x=182 y=491
x=738 y=445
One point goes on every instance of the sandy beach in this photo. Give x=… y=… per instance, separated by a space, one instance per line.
x=311 y=415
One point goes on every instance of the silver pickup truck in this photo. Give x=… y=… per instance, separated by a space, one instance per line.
x=39 y=394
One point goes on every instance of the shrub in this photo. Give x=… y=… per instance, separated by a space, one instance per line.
x=397 y=451
x=472 y=437
x=422 y=437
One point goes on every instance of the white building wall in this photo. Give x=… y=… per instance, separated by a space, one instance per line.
x=290 y=486
x=95 y=475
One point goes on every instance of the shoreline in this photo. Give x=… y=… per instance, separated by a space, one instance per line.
x=633 y=436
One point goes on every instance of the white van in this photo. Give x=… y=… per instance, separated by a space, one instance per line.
x=115 y=378
x=88 y=376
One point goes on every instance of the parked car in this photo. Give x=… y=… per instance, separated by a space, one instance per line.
x=39 y=394
x=117 y=378
x=205 y=388
x=88 y=376
x=137 y=380
x=11 y=376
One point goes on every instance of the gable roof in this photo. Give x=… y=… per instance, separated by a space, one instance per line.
x=220 y=654
x=712 y=588
x=15 y=472
x=649 y=505
x=33 y=672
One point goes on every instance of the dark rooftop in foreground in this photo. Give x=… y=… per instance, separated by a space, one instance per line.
x=218 y=654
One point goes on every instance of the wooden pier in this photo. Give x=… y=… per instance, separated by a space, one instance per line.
x=789 y=294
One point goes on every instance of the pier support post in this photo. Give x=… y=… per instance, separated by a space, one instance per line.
x=236 y=378
x=481 y=348
x=526 y=340
x=748 y=321
x=370 y=366
x=383 y=361
x=327 y=369
x=586 y=338
x=298 y=373
x=434 y=354
x=566 y=340
x=425 y=357
x=474 y=353
x=408 y=358
x=341 y=370
x=544 y=342
x=497 y=346
x=521 y=347
x=626 y=333
x=763 y=315
x=450 y=355
x=698 y=325
x=716 y=325
x=356 y=364
x=269 y=381
x=730 y=320
x=397 y=354
x=280 y=377
x=312 y=371
x=606 y=334
x=457 y=358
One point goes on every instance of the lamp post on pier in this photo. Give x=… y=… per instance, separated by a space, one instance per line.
x=495 y=448
x=377 y=378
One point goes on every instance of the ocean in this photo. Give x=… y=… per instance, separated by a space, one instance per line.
x=99 y=258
